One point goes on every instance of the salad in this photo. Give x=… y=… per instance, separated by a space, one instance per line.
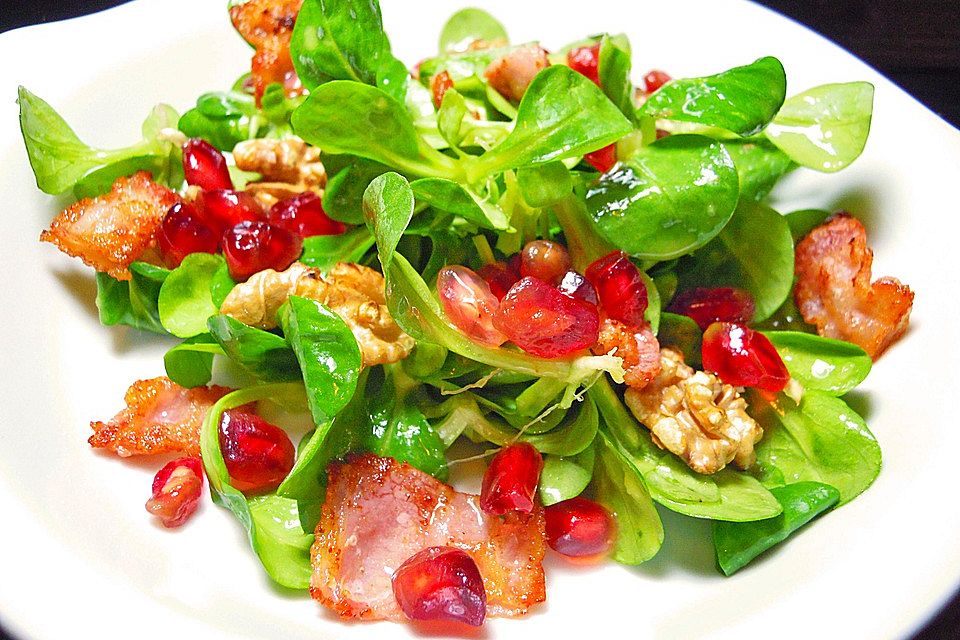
x=507 y=253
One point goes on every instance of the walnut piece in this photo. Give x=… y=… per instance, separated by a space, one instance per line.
x=352 y=291
x=696 y=416
x=289 y=166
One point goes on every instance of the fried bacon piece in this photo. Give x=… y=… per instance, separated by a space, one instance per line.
x=267 y=25
x=513 y=73
x=834 y=292
x=111 y=231
x=161 y=417
x=637 y=346
x=379 y=512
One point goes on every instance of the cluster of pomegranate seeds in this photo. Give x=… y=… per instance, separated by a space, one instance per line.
x=222 y=209
x=544 y=260
x=654 y=80
x=441 y=583
x=586 y=61
x=510 y=482
x=258 y=455
x=253 y=246
x=579 y=527
x=743 y=357
x=708 y=305
x=499 y=276
x=470 y=304
x=541 y=320
x=603 y=160
x=303 y=215
x=176 y=491
x=576 y=286
x=204 y=166
x=182 y=233
x=620 y=287
x=439 y=85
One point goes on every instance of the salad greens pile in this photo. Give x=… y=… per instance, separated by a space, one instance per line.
x=472 y=181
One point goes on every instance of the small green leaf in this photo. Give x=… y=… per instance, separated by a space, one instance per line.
x=454 y=198
x=759 y=165
x=823 y=364
x=450 y=117
x=468 y=26
x=388 y=207
x=264 y=355
x=190 y=363
x=132 y=302
x=613 y=68
x=323 y=252
x=683 y=334
x=544 y=184
x=186 y=302
x=565 y=477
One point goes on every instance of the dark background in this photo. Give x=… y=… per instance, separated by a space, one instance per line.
x=915 y=43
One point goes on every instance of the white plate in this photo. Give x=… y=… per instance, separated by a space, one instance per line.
x=79 y=555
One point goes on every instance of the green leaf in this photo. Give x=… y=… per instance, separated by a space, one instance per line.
x=743 y=99
x=132 y=302
x=450 y=117
x=823 y=364
x=388 y=207
x=683 y=334
x=822 y=440
x=753 y=252
x=565 y=477
x=613 y=67
x=452 y=197
x=562 y=115
x=327 y=351
x=543 y=185
x=323 y=252
x=669 y=199
x=264 y=355
x=620 y=488
x=343 y=195
x=737 y=543
x=826 y=127
x=185 y=301
x=467 y=26
x=190 y=363
x=759 y=165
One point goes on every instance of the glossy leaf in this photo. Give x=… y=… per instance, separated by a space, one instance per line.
x=565 y=477
x=760 y=165
x=614 y=67
x=132 y=302
x=823 y=364
x=186 y=300
x=826 y=127
x=670 y=198
x=467 y=26
x=743 y=99
x=348 y=178
x=264 y=355
x=452 y=197
x=190 y=363
x=388 y=207
x=323 y=252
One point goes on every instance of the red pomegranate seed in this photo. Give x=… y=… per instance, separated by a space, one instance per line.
x=258 y=455
x=303 y=215
x=621 y=289
x=439 y=85
x=441 y=583
x=204 y=166
x=182 y=233
x=251 y=247
x=469 y=304
x=579 y=527
x=544 y=322
x=176 y=491
x=706 y=306
x=222 y=209
x=499 y=276
x=655 y=79
x=576 y=286
x=603 y=159
x=544 y=260
x=743 y=357
x=510 y=482
x=586 y=60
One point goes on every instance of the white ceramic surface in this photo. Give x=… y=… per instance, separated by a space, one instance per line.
x=79 y=556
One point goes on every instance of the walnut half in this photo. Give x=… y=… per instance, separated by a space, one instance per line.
x=352 y=291
x=289 y=166
x=696 y=416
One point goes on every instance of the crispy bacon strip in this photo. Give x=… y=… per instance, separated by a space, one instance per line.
x=160 y=417
x=111 y=231
x=834 y=292
x=637 y=346
x=379 y=512
x=267 y=25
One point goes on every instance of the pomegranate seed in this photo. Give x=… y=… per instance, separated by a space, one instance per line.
x=251 y=247
x=469 y=304
x=303 y=215
x=542 y=321
x=510 y=482
x=655 y=79
x=441 y=583
x=603 y=159
x=225 y=208
x=499 y=276
x=621 y=289
x=706 y=306
x=544 y=260
x=743 y=357
x=204 y=166
x=182 y=233
x=586 y=60
x=176 y=491
x=258 y=455
x=439 y=85
x=576 y=286
x=579 y=527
